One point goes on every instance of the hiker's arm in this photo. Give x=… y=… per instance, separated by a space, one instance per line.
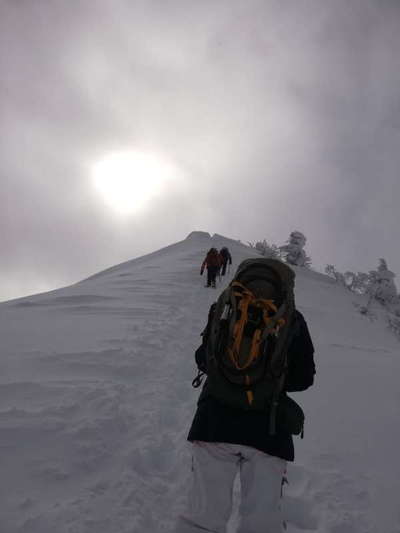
x=301 y=366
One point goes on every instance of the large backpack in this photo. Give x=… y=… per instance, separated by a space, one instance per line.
x=248 y=335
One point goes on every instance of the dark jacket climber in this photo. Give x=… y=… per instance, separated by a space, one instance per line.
x=226 y=440
x=226 y=259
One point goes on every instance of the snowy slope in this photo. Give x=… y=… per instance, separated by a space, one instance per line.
x=95 y=403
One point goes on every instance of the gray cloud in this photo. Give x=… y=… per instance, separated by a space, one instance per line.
x=279 y=115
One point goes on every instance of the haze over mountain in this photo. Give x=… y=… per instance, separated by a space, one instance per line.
x=96 y=401
x=125 y=124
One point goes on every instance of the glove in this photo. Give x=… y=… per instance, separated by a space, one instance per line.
x=201 y=272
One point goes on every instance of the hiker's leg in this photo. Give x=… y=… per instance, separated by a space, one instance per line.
x=223 y=268
x=214 y=272
x=209 y=276
x=261 y=492
x=214 y=468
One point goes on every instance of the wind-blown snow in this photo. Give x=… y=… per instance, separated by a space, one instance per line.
x=96 y=401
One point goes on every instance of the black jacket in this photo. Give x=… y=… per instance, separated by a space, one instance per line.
x=226 y=255
x=216 y=422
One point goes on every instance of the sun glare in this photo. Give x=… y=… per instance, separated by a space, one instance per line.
x=128 y=181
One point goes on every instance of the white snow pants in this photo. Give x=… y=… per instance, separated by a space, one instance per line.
x=214 y=468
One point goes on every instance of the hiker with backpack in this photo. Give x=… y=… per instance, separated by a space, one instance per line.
x=226 y=259
x=213 y=263
x=256 y=348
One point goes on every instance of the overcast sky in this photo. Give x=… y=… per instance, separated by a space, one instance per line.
x=273 y=116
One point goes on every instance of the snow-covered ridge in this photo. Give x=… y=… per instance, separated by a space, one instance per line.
x=95 y=402
x=199 y=239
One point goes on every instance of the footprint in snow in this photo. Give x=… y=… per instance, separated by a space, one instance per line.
x=298 y=504
x=325 y=500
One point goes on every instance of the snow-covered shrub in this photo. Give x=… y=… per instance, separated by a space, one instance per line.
x=383 y=288
x=379 y=286
x=293 y=251
x=266 y=249
x=366 y=311
x=393 y=320
x=333 y=273
x=359 y=282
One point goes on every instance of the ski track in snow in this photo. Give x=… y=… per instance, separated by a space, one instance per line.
x=96 y=401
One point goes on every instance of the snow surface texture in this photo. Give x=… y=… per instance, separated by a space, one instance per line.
x=96 y=401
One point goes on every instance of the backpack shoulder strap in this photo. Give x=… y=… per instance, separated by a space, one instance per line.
x=206 y=331
x=200 y=354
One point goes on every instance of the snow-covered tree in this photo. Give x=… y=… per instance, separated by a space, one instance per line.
x=266 y=249
x=383 y=288
x=393 y=320
x=379 y=286
x=333 y=273
x=359 y=282
x=293 y=251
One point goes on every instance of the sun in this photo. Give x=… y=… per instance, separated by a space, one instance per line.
x=127 y=181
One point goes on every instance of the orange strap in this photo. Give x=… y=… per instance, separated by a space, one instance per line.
x=247 y=298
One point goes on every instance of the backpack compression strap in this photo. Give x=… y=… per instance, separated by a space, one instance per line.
x=270 y=326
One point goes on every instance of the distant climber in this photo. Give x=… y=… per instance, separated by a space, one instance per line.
x=212 y=262
x=226 y=259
